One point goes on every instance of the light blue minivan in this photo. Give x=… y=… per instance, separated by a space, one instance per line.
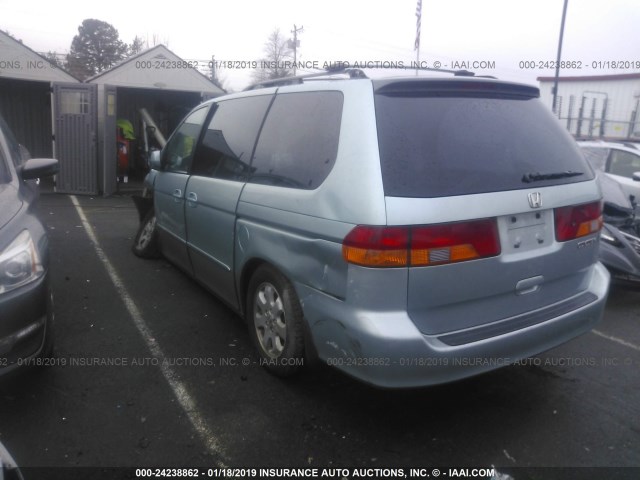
x=408 y=231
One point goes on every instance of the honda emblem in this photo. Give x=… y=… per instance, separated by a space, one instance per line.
x=535 y=200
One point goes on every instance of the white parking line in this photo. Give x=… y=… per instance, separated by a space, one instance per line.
x=179 y=388
x=617 y=340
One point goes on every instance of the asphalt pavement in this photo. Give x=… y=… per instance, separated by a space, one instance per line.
x=151 y=371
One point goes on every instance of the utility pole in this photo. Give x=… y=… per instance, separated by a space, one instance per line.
x=295 y=43
x=212 y=64
x=418 y=28
x=557 y=75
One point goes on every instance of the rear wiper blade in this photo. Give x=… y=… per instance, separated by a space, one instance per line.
x=536 y=177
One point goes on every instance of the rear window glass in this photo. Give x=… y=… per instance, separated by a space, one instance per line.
x=299 y=141
x=446 y=145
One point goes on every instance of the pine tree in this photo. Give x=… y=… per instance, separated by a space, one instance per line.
x=96 y=48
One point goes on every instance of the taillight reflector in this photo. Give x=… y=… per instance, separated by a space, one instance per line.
x=373 y=246
x=454 y=242
x=577 y=221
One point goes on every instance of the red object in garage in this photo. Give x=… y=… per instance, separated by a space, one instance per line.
x=123 y=138
x=123 y=159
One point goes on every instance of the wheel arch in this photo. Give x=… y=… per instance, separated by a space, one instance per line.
x=249 y=268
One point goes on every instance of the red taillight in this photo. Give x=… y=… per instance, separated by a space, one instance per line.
x=454 y=242
x=420 y=246
x=376 y=246
x=577 y=221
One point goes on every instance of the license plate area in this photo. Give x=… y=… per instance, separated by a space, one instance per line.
x=523 y=232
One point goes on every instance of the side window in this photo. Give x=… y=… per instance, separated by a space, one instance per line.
x=299 y=141
x=17 y=153
x=178 y=153
x=5 y=177
x=597 y=157
x=227 y=144
x=624 y=163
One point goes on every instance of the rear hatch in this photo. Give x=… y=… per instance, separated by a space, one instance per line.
x=500 y=210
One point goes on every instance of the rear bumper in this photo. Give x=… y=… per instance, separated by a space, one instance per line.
x=387 y=350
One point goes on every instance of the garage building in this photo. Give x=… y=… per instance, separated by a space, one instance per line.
x=26 y=83
x=55 y=115
x=156 y=80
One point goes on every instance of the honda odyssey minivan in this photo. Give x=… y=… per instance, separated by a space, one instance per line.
x=407 y=231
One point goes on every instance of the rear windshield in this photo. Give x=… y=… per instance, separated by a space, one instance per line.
x=446 y=144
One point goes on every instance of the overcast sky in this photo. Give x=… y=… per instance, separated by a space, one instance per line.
x=502 y=31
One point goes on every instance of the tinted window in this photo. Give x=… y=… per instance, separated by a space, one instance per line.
x=178 y=152
x=299 y=141
x=14 y=151
x=4 y=171
x=227 y=143
x=435 y=146
x=597 y=157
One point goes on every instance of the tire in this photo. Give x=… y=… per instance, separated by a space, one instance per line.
x=145 y=245
x=274 y=317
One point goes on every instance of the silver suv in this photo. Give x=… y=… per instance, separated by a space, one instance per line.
x=407 y=231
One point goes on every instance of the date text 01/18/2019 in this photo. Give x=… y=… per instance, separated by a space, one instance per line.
x=579 y=65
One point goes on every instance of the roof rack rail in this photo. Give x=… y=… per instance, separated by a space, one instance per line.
x=352 y=73
x=456 y=73
x=293 y=80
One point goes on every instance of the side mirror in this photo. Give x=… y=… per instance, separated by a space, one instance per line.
x=39 y=167
x=154 y=160
x=8 y=468
x=24 y=153
x=636 y=176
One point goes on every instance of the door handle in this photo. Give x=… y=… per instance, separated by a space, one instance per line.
x=177 y=195
x=192 y=198
x=529 y=285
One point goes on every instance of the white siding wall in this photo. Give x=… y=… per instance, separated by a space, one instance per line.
x=622 y=97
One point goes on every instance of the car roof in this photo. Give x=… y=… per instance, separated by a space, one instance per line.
x=603 y=144
x=436 y=80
